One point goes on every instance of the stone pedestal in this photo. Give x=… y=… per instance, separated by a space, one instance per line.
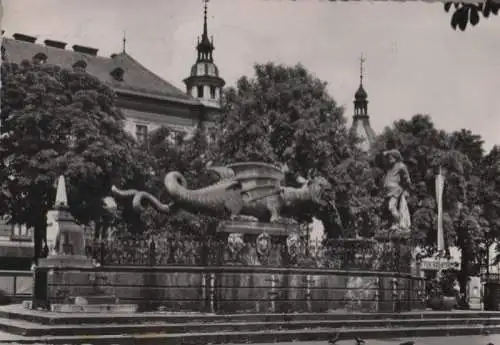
x=361 y=291
x=369 y=291
x=256 y=244
x=398 y=242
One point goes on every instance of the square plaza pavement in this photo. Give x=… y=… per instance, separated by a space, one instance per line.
x=462 y=340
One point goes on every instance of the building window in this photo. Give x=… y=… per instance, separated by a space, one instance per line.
x=141 y=133
x=211 y=70
x=201 y=69
x=39 y=58
x=79 y=66
x=212 y=92
x=21 y=233
x=200 y=91
x=117 y=73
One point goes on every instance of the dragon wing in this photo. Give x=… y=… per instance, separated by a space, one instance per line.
x=252 y=193
x=257 y=170
x=224 y=173
x=258 y=180
x=247 y=182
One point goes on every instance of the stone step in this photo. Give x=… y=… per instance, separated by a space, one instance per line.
x=260 y=336
x=25 y=328
x=52 y=318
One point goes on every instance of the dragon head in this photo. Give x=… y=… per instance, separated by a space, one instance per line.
x=321 y=190
x=323 y=195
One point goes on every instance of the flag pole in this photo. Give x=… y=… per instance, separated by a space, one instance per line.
x=440 y=232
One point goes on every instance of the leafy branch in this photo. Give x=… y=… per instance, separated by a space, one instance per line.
x=470 y=13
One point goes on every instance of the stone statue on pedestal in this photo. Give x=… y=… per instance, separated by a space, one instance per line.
x=396 y=185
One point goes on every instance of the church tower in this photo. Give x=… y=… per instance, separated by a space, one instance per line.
x=361 y=119
x=204 y=82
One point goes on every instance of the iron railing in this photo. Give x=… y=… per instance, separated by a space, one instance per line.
x=343 y=254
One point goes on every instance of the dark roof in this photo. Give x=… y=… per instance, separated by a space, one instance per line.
x=361 y=93
x=136 y=77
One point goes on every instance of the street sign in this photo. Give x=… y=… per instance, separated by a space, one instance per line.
x=436 y=265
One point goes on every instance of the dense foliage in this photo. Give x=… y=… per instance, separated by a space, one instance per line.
x=56 y=121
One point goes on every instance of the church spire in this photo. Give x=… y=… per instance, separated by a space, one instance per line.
x=205 y=47
x=205 y=30
x=361 y=62
x=204 y=82
x=361 y=120
x=361 y=97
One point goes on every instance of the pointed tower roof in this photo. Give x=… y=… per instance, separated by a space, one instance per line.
x=204 y=81
x=361 y=120
x=205 y=46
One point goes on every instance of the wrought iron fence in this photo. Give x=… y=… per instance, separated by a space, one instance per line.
x=342 y=254
x=151 y=251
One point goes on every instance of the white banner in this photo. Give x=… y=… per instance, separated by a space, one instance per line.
x=439 y=200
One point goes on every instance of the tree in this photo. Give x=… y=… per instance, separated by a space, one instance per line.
x=490 y=195
x=284 y=115
x=469 y=144
x=176 y=151
x=469 y=13
x=426 y=149
x=56 y=121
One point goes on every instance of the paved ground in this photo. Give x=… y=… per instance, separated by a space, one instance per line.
x=468 y=340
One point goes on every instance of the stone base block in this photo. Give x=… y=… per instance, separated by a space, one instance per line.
x=256 y=228
x=89 y=308
x=66 y=261
x=94 y=308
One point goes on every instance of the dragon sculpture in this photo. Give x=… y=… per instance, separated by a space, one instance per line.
x=245 y=191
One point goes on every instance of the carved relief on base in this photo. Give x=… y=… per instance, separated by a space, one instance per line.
x=243 y=250
x=361 y=294
x=254 y=243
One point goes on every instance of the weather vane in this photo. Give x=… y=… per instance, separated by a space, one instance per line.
x=124 y=40
x=361 y=65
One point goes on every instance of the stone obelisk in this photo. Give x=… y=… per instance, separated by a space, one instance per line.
x=65 y=238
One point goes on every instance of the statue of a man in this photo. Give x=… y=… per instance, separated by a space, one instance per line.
x=396 y=184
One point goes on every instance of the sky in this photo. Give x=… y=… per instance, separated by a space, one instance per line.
x=415 y=62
